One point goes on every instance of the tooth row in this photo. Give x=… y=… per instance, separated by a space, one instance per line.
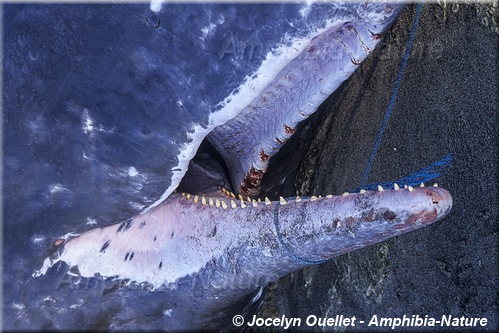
x=242 y=203
x=233 y=204
x=233 y=196
x=227 y=192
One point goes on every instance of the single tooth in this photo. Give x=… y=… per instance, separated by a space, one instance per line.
x=313 y=198
x=282 y=200
x=240 y=197
x=422 y=185
x=380 y=188
x=396 y=187
x=224 y=205
x=210 y=202
x=320 y=196
x=259 y=200
x=233 y=204
x=410 y=188
x=248 y=198
x=329 y=196
x=362 y=191
x=255 y=203
x=189 y=196
x=232 y=195
x=267 y=201
x=183 y=194
x=345 y=194
x=243 y=205
x=298 y=199
x=196 y=199
x=217 y=203
x=203 y=201
x=435 y=185
x=405 y=186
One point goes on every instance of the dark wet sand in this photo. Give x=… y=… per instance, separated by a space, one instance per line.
x=447 y=103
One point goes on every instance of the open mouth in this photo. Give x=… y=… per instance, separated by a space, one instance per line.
x=104 y=149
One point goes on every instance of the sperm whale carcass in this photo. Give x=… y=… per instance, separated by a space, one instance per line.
x=108 y=109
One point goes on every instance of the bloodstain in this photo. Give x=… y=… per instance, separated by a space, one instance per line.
x=264 y=157
x=289 y=130
x=251 y=181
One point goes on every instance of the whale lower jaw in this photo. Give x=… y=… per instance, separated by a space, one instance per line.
x=226 y=248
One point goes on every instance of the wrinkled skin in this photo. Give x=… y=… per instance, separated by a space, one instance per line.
x=184 y=262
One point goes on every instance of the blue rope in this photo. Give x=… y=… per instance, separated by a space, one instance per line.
x=427 y=173
x=394 y=94
x=286 y=246
x=424 y=175
x=414 y=179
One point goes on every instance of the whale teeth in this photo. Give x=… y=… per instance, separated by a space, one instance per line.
x=282 y=200
x=233 y=204
x=217 y=203
x=188 y=196
x=267 y=201
x=243 y=205
x=249 y=199
x=203 y=201
x=362 y=191
x=298 y=199
x=224 y=205
x=329 y=196
x=405 y=186
x=313 y=198
x=240 y=197
x=232 y=195
x=254 y=203
x=422 y=185
x=380 y=188
x=345 y=194
x=196 y=199
x=435 y=185
x=259 y=200
x=410 y=188
x=183 y=194
x=210 y=202
x=396 y=187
